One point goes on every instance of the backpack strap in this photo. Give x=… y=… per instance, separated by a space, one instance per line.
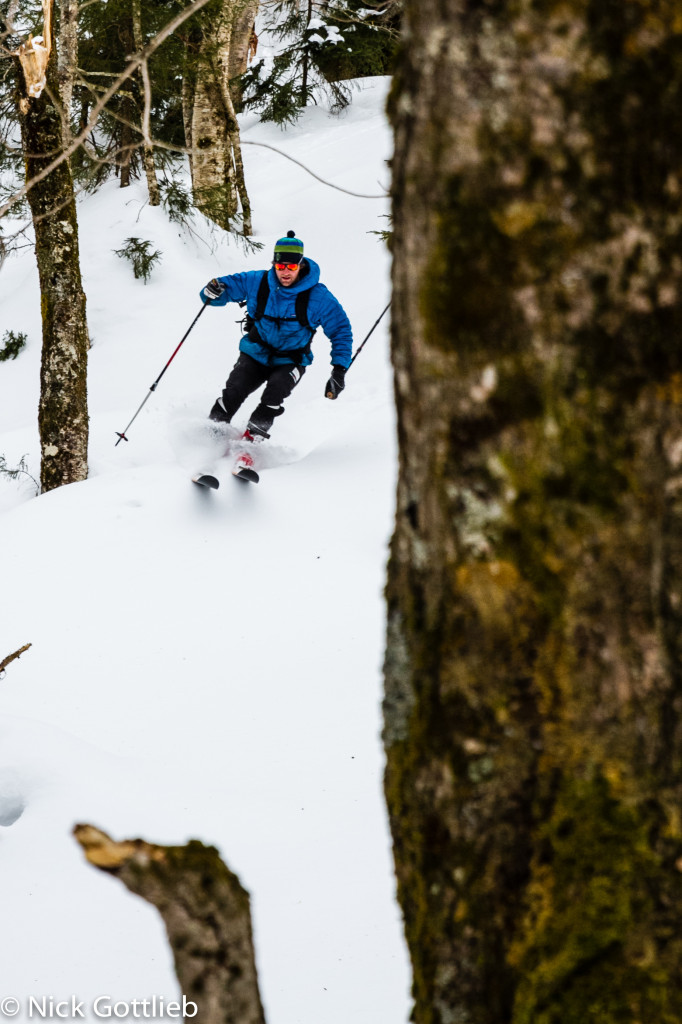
x=249 y=322
x=302 y=299
x=262 y=297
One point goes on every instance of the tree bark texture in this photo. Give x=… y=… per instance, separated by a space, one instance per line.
x=217 y=170
x=128 y=136
x=243 y=24
x=146 y=91
x=206 y=913
x=187 y=93
x=63 y=409
x=305 y=58
x=534 y=664
x=67 y=60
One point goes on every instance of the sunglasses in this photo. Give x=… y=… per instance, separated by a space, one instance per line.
x=286 y=266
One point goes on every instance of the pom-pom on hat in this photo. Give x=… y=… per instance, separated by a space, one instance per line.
x=289 y=249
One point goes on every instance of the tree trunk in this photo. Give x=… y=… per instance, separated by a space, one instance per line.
x=305 y=60
x=217 y=169
x=63 y=410
x=534 y=663
x=207 y=916
x=67 y=60
x=147 y=148
x=128 y=109
x=243 y=23
x=187 y=91
x=213 y=181
x=234 y=139
x=126 y=141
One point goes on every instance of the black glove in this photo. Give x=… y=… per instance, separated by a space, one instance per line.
x=336 y=382
x=213 y=290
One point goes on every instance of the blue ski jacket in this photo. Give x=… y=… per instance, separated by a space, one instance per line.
x=281 y=335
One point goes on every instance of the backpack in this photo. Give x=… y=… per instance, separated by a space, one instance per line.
x=250 y=323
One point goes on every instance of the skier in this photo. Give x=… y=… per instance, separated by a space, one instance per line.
x=285 y=305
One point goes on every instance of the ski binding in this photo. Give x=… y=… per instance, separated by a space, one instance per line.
x=243 y=467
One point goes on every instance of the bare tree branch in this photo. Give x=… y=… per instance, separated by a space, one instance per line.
x=12 y=657
x=264 y=145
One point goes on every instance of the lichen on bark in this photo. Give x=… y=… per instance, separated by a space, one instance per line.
x=533 y=766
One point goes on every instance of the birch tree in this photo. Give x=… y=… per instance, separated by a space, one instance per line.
x=216 y=52
x=533 y=725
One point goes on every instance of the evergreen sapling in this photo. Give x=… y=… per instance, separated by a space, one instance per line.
x=139 y=254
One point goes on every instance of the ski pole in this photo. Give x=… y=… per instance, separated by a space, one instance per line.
x=122 y=435
x=366 y=339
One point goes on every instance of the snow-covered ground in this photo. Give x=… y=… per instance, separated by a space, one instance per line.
x=205 y=664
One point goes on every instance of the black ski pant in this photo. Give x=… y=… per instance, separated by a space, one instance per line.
x=248 y=375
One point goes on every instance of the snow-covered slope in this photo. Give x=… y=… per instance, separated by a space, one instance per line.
x=205 y=664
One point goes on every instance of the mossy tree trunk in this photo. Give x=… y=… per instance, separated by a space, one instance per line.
x=207 y=915
x=534 y=658
x=63 y=409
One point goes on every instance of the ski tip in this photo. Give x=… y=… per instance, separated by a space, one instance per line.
x=204 y=480
x=248 y=475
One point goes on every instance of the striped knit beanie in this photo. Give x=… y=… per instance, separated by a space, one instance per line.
x=289 y=249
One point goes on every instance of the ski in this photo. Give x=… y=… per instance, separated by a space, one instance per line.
x=243 y=469
x=244 y=473
x=206 y=480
